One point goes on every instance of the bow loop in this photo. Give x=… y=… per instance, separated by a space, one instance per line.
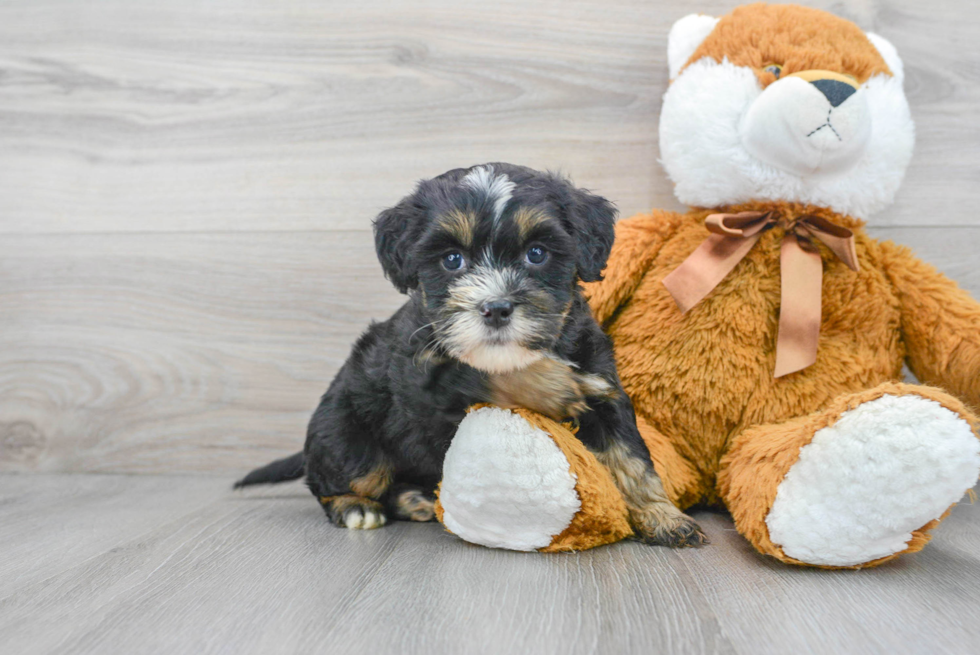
x=742 y=224
x=839 y=239
x=801 y=268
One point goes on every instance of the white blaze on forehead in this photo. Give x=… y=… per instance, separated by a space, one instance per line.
x=498 y=188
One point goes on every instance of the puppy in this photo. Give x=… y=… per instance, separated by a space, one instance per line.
x=491 y=258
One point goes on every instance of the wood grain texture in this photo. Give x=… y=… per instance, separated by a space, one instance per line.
x=191 y=352
x=311 y=115
x=181 y=352
x=53 y=523
x=916 y=605
x=263 y=572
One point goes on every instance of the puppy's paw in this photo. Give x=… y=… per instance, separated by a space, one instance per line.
x=665 y=525
x=415 y=505
x=354 y=512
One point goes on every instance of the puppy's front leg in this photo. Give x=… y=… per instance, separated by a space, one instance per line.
x=609 y=431
x=608 y=428
x=654 y=518
x=548 y=386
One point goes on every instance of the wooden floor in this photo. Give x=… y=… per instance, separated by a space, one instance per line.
x=180 y=564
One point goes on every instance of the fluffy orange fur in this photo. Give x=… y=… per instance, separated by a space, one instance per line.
x=797 y=38
x=720 y=427
x=603 y=517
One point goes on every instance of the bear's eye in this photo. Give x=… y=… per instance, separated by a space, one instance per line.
x=453 y=261
x=775 y=69
x=536 y=255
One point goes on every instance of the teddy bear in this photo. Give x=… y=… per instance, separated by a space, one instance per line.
x=761 y=335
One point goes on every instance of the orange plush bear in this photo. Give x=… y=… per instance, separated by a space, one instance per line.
x=762 y=335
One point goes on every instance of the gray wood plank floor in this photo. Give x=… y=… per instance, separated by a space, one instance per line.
x=167 y=564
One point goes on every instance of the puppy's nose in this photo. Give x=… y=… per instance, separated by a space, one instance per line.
x=834 y=90
x=497 y=312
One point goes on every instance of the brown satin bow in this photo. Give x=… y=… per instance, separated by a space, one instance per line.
x=801 y=268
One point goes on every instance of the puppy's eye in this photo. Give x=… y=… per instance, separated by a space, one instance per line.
x=453 y=261
x=536 y=255
x=775 y=69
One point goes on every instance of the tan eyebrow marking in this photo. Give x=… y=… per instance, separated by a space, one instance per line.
x=460 y=225
x=527 y=219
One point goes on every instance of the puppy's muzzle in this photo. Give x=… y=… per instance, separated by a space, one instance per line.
x=497 y=313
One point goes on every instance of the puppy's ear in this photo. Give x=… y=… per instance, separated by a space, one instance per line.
x=396 y=231
x=590 y=219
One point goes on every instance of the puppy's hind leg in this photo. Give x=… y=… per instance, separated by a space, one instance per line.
x=346 y=469
x=361 y=509
x=410 y=502
x=354 y=512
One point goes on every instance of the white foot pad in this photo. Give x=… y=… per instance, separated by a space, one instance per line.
x=862 y=485
x=368 y=519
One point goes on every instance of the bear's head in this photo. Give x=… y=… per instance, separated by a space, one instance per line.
x=784 y=103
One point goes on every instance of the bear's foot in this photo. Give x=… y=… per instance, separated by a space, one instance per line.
x=864 y=484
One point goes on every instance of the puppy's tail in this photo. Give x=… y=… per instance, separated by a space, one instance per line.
x=281 y=470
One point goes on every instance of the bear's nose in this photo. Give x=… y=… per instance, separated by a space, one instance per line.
x=834 y=90
x=496 y=313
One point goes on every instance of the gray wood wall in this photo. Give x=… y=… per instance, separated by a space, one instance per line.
x=186 y=189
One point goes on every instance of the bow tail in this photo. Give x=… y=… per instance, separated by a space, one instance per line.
x=706 y=267
x=801 y=270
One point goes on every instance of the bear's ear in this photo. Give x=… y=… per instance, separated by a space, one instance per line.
x=685 y=37
x=890 y=54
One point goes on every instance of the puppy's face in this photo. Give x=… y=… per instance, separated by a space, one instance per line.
x=495 y=253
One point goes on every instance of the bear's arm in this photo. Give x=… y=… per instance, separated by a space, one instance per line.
x=638 y=241
x=940 y=324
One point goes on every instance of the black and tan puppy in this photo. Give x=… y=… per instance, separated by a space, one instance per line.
x=491 y=258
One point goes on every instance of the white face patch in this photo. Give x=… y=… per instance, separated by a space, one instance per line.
x=497 y=188
x=793 y=127
x=468 y=338
x=704 y=152
x=481 y=284
x=500 y=358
